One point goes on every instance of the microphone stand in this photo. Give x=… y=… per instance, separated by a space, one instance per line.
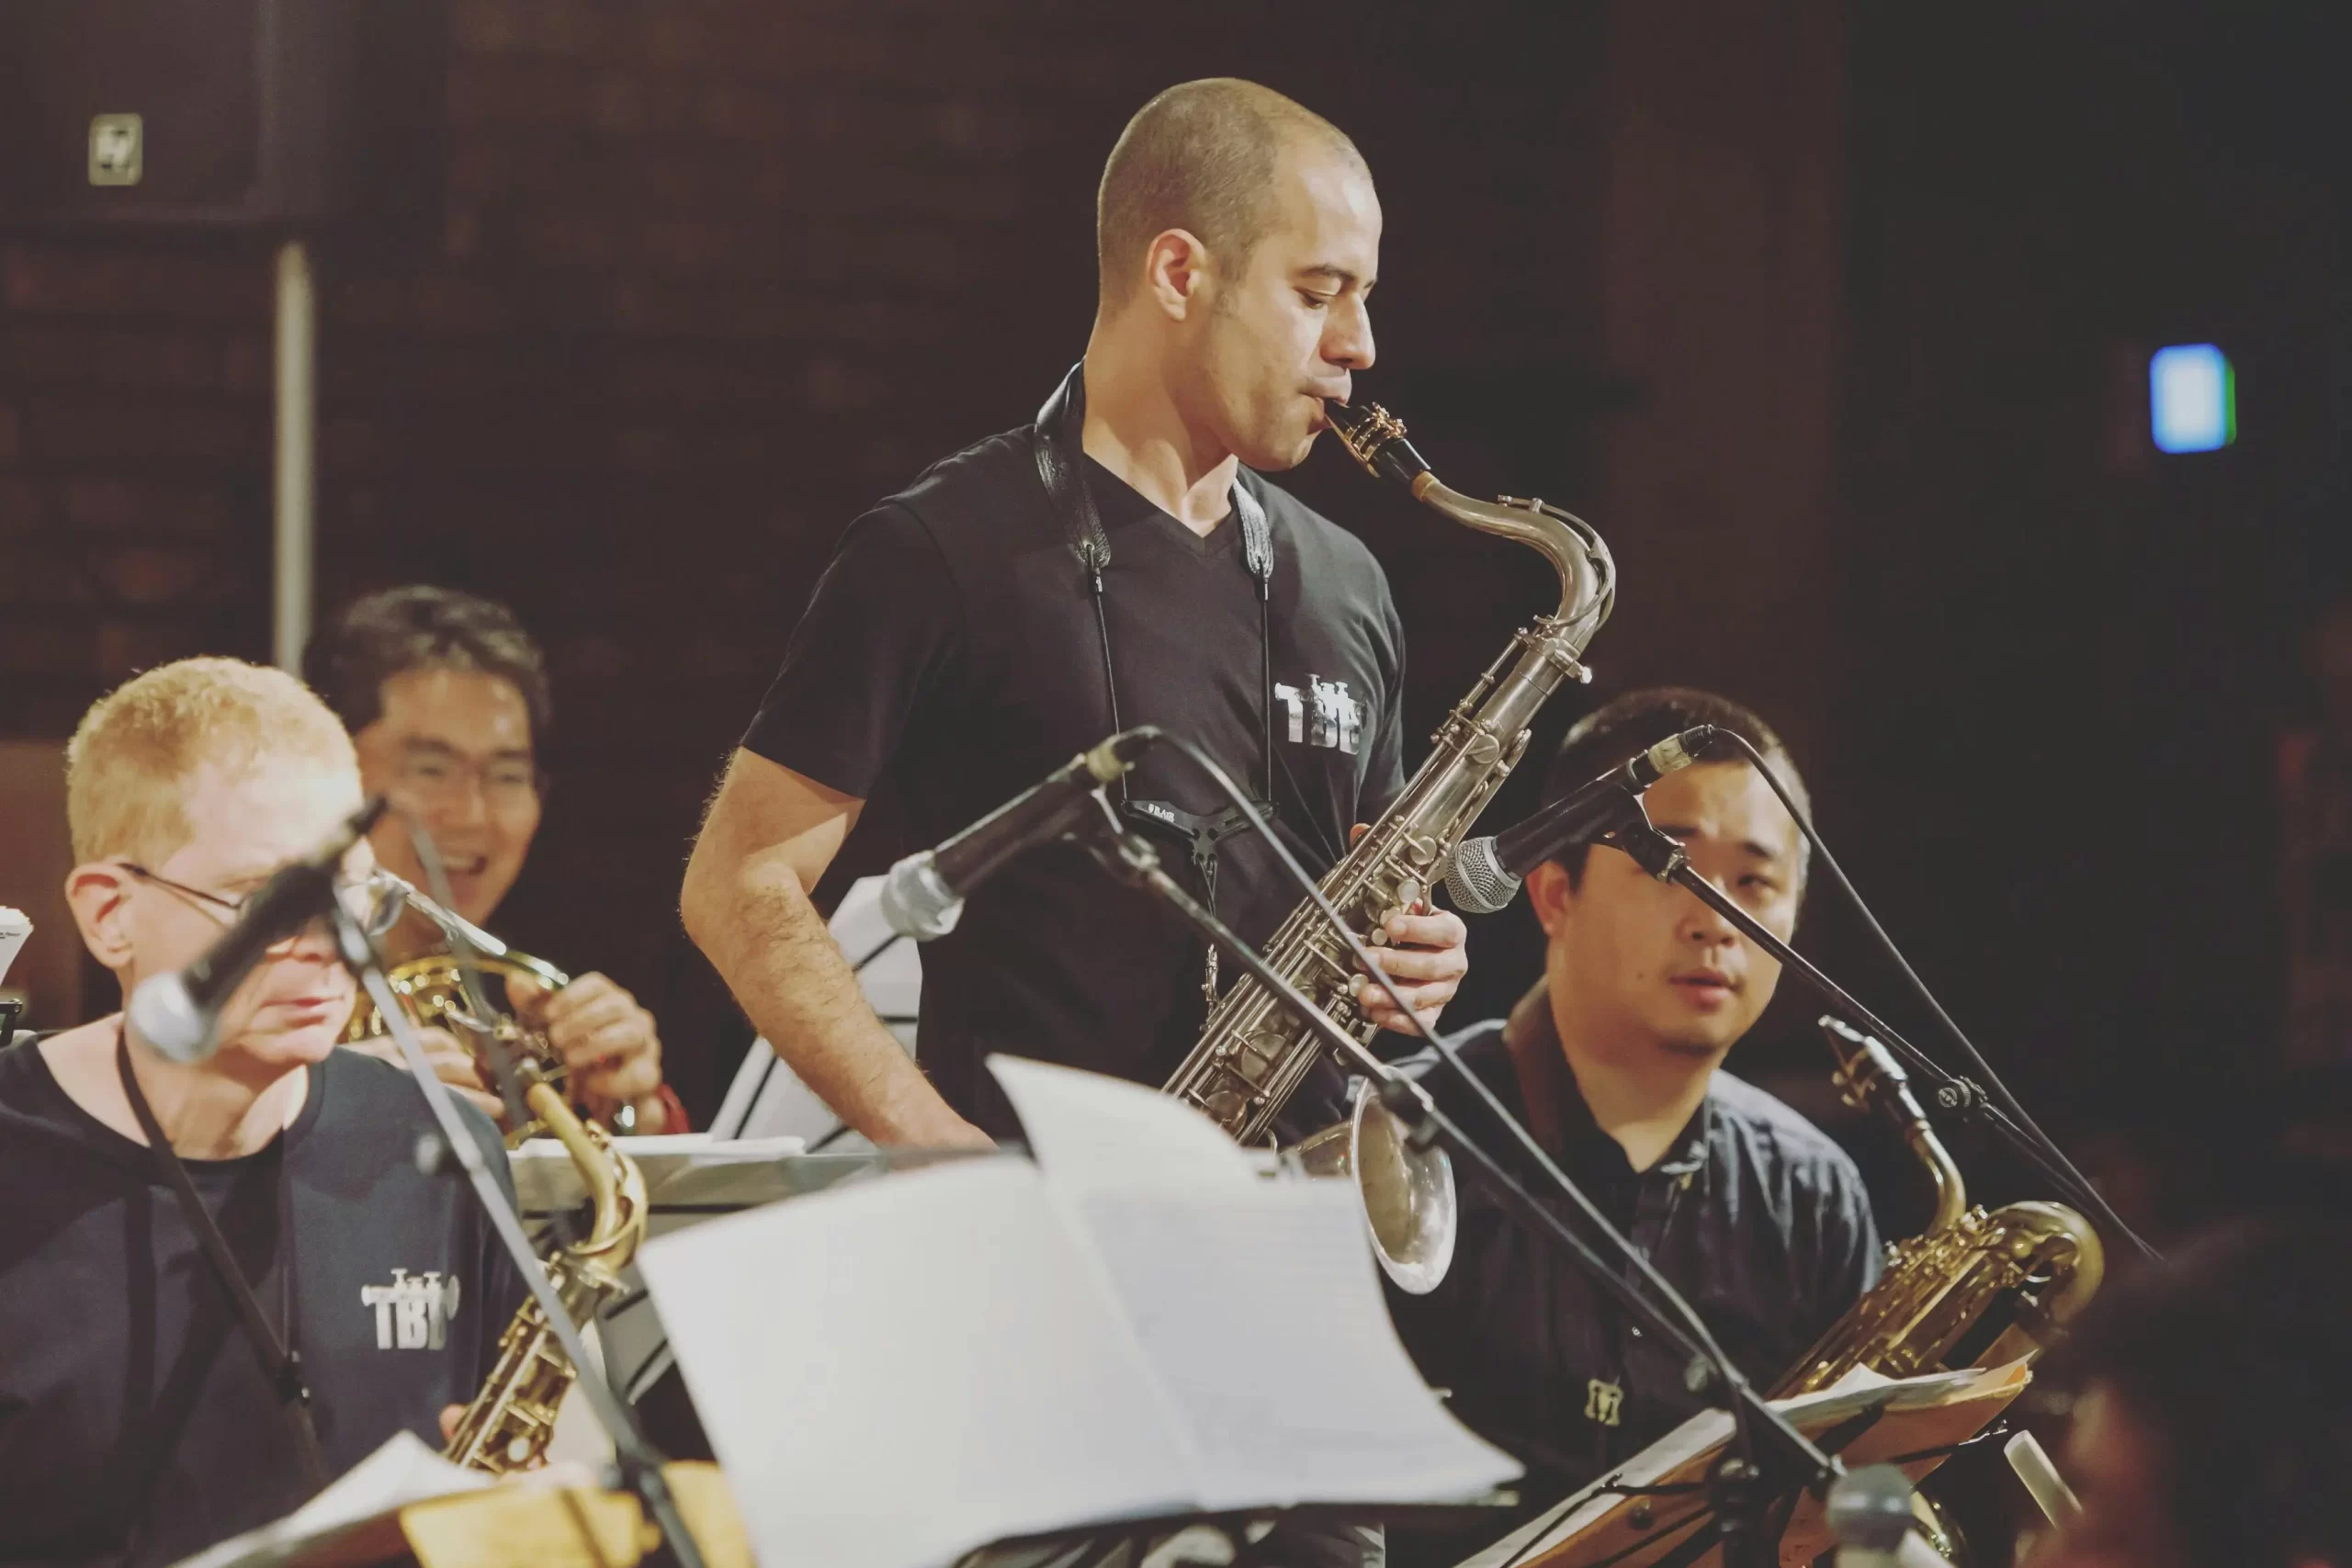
x=1743 y=1482
x=638 y=1466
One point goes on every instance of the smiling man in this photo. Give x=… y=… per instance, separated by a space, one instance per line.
x=1118 y=561
x=447 y=698
x=1614 y=1061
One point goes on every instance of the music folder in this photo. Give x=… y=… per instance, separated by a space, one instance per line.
x=1134 y=1326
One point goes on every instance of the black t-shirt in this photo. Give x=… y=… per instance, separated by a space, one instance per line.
x=123 y=1370
x=952 y=650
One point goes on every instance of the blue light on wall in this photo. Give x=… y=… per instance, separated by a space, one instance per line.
x=2192 y=397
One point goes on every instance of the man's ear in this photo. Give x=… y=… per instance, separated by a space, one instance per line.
x=1548 y=893
x=99 y=895
x=1175 y=267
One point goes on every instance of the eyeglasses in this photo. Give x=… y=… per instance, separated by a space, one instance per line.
x=374 y=900
x=434 y=779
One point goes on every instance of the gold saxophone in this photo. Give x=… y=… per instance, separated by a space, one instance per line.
x=1252 y=1056
x=2042 y=1261
x=507 y=1426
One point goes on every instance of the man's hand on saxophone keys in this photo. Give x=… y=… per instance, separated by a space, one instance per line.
x=1426 y=953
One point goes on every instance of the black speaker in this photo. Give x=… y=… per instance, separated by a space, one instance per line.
x=255 y=115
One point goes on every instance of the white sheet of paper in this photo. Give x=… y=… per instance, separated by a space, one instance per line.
x=14 y=929
x=895 y=1373
x=1090 y=1131
x=1280 y=1359
x=1279 y=1356
x=402 y=1472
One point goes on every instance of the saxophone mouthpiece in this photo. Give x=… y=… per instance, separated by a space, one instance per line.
x=1376 y=438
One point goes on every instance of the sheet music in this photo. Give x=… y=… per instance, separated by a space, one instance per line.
x=14 y=927
x=1281 y=1360
x=939 y=1336
x=1091 y=1132
x=1140 y=1327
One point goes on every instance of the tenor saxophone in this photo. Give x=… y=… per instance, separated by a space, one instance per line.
x=509 y=1422
x=1252 y=1056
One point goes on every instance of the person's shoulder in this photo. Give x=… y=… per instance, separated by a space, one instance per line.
x=968 y=489
x=1780 y=1133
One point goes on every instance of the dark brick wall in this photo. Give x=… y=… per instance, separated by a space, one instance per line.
x=709 y=279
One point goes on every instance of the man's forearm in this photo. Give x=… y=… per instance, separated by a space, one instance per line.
x=775 y=951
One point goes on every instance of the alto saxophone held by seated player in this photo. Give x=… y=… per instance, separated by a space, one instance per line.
x=1252 y=1056
x=508 y=1425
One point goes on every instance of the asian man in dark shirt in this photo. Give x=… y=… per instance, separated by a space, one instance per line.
x=1614 y=1061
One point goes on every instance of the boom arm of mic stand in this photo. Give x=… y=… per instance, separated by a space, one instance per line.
x=1663 y=857
x=640 y=1467
x=1132 y=858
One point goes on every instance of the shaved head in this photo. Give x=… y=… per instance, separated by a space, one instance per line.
x=1200 y=157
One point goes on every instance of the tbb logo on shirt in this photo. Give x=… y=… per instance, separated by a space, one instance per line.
x=1326 y=713
x=412 y=1313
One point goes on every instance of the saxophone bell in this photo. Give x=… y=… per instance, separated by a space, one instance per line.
x=1410 y=1204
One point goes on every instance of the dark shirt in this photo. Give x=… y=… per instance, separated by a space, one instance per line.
x=952 y=648
x=123 y=1372
x=1752 y=1213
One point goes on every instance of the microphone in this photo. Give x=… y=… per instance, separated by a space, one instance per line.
x=179 y=1013
x=1485 y=872
x=924 y=895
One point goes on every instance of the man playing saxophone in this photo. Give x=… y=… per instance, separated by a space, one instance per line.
x=1614 y=1062
x=224 y=1282
x=983 y=625
x=445 y=696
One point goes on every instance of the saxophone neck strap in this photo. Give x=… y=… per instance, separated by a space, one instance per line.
x=281 y=1361
x=1059 y=443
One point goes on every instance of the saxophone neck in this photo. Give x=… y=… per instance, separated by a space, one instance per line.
x=1376 y=438
x=1870 y=1078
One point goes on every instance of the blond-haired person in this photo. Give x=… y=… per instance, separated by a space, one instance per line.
x=148 y=1407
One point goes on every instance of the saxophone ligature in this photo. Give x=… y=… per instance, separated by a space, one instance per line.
x=508 y=1426
x=1252 y=1058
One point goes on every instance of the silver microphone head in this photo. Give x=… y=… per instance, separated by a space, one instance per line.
x=916 y=902
x=1477 y=881
x=168 y=1020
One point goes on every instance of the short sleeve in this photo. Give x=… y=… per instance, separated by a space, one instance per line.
x=877 y=632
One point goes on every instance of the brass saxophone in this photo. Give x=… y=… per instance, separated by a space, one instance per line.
x=507 y=1426
x=1252 y=1056
x=2043 y=1260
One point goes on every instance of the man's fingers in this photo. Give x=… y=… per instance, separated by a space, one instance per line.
x=625 y=1037
x=603 y=1014
x=1441 y=929
x=1422 y=963
x=524 y=994
x=587 y=994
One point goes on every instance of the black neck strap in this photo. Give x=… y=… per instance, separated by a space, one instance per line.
x=1057 y=439
x=282 y=1361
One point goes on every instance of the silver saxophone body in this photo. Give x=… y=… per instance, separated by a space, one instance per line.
x=1253 y=1056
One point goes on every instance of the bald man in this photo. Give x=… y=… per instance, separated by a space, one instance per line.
x=1118 y=561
